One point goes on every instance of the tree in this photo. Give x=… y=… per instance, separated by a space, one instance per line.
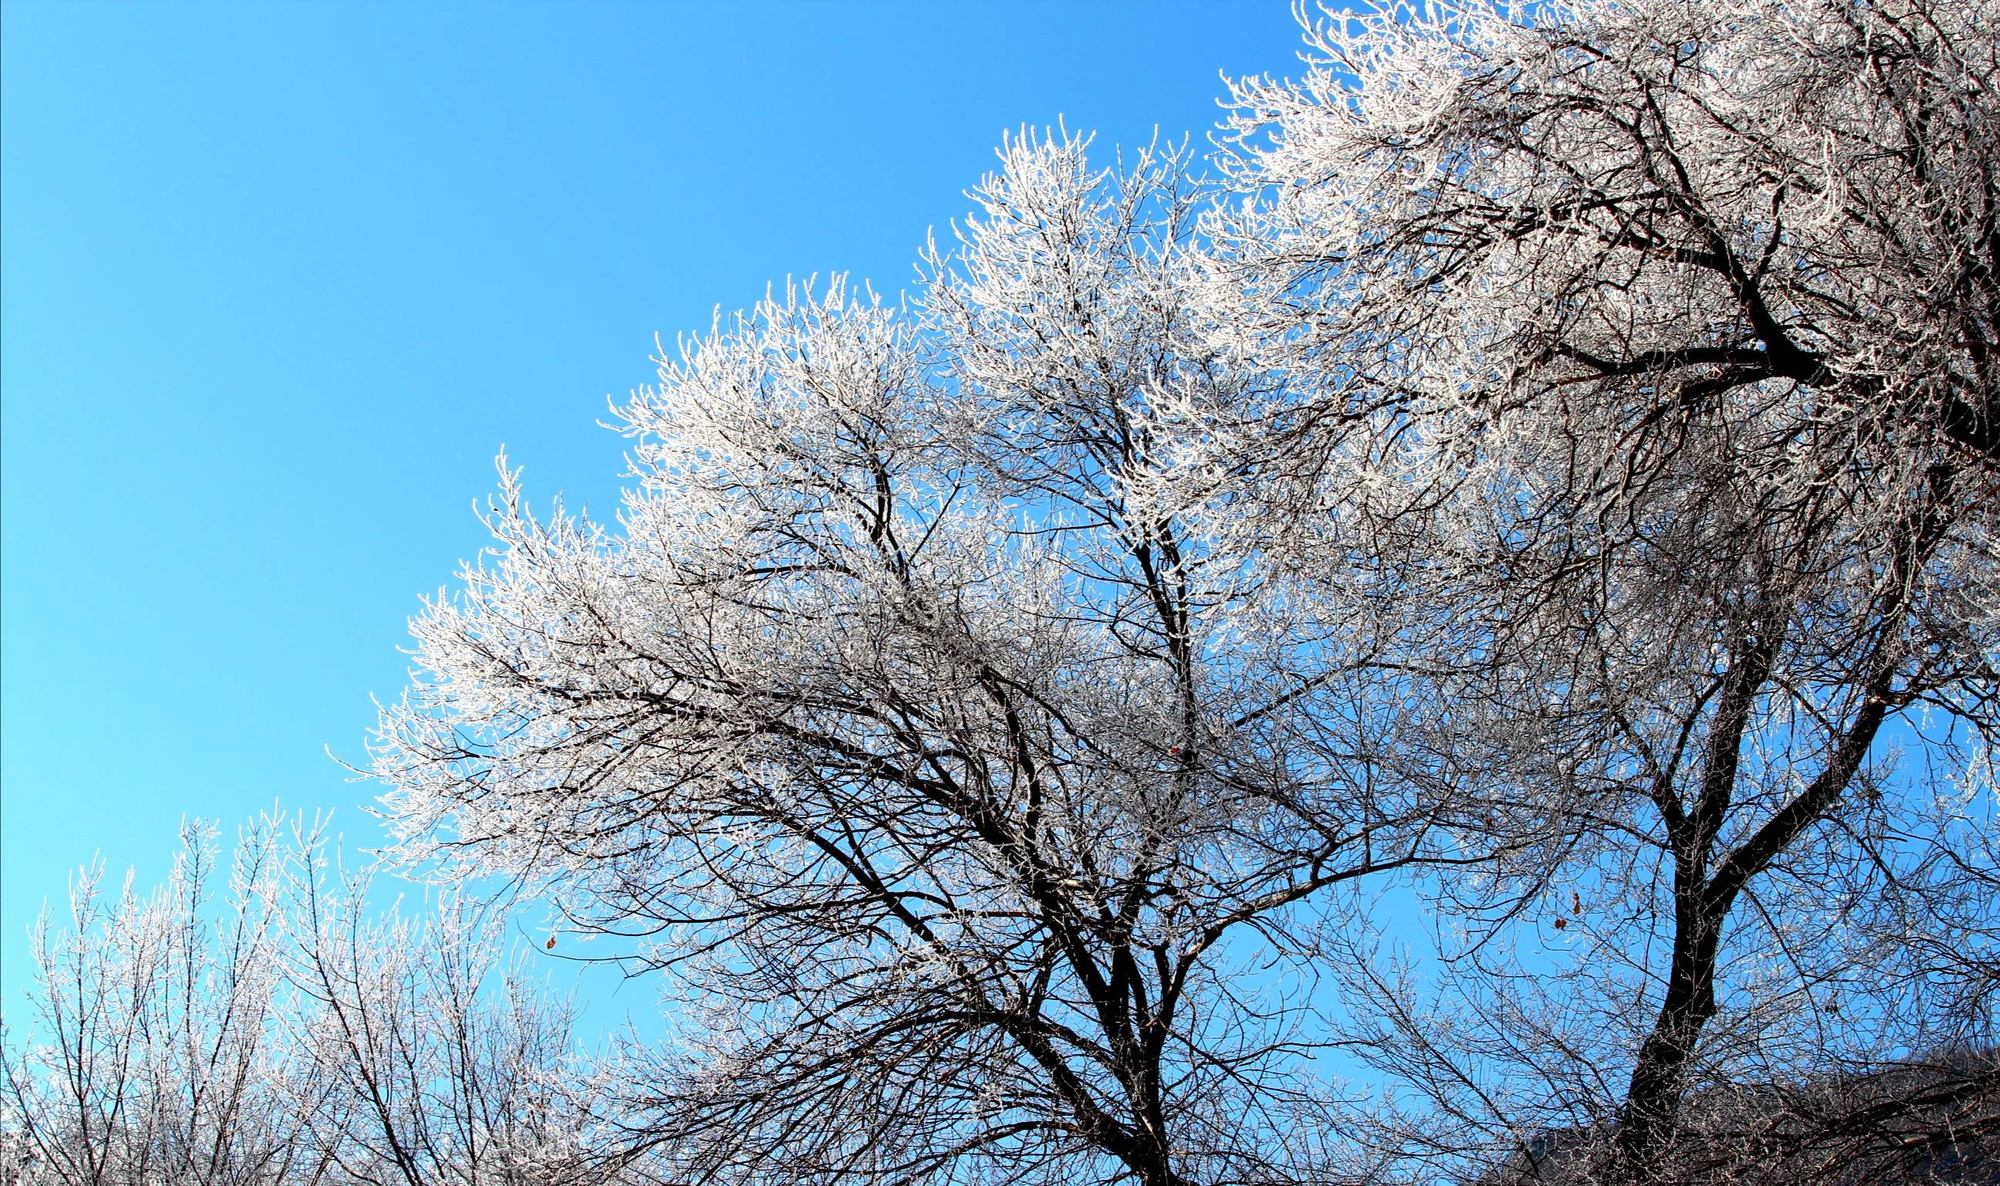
x=1645 y=355
x=437 y=1060
x=1568 y=456
x=160 y=1060
x=1549 y=477
x=290 y=1037
x=961 y=783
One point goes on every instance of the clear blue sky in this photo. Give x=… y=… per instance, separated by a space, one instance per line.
x=277 y=280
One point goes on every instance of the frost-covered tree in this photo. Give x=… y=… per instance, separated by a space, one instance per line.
x=285 y=1035
x=1642 y=359
x=1461 y=647
x=436 y=1059
x=157 y=1054
x=971 y=796
x=1560 y=472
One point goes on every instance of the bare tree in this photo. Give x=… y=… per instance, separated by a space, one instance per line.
x=1644 y=357
x=440 y=1062
x=286 y=1035
x=159 y=1059
x=970 y=795
x=1496 y=597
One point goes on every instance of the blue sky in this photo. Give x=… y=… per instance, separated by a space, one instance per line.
x=277 y=282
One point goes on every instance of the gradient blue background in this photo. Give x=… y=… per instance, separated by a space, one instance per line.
x=277 y=281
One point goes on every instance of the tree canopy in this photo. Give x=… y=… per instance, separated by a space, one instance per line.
x=1459 y=627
